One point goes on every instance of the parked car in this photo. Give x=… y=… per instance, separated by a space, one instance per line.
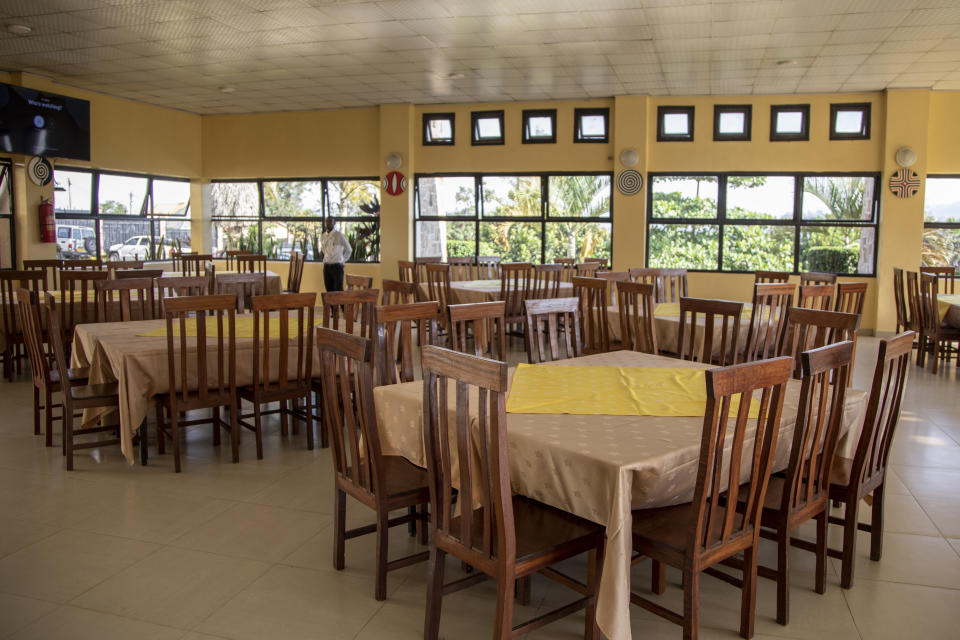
x=138 y=248
x=75 y=242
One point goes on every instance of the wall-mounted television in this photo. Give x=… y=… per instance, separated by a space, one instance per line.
x=38 y=123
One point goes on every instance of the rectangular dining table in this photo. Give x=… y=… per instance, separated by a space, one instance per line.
x=470 y=291
x=949 y=310
x=600 y=467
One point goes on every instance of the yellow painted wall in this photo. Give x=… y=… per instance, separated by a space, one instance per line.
x=943 y=133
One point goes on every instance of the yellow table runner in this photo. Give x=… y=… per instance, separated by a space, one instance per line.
x=945 y=302
x=244 y=328
x=615 y=391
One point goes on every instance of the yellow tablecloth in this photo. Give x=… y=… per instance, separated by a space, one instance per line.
x=612 y=391
x=244 y=328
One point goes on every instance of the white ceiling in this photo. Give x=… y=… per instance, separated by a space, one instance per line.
x=290 y=55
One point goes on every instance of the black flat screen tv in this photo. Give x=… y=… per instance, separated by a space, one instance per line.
x=38 y=123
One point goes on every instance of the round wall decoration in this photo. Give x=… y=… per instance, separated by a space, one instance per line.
x=629 y=182
x=394 y=183
x=40 y=171
x=905 y=183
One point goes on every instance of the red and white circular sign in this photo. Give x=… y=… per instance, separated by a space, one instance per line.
x=394 y=183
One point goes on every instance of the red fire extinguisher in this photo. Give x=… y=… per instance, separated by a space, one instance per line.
x=48 y=222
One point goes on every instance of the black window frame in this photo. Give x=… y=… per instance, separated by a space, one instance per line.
x=579 y=114
x=802 y=136
x=688 y=110
x=543 y=219
x=262 y=216
x=525 y=138
x=475 y=117
x=796 y=221
x=954 y=226
x=745 y=109
x=863 y=107
x=428 y=117
x=6 y=167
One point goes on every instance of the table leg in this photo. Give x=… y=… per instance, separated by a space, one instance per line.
x=143 y=443
x=412 y=525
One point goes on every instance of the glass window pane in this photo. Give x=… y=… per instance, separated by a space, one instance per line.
x=578 y=240
x=790 y=122
x=513 y=241
x=75 y=196
x=6 y=244
x=579 y=196
x=170 y=235
x=6 y=189
x=488 y=128
x=280 y=239
x=125 y=239
x=687 y=246
x=837 y=249
x=76 y=238
x=241 y=235
x=293 y=199
x=941 y=200
x=364 y=238
x=838 y=198
x=448 y=239
x=941 y=247
x=512 y=196
x=353 y=197
x=684 y=196
x=540 y=127
x=121 y=195
x=593 y=126
x=234 y=200
x=752 y=247
x=849 y=121
x=446 y=196
x=752 y=197
x=732 y=122
x=171 y=198
x=676 y=124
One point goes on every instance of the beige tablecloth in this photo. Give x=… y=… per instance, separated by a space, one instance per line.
x=952 y=317
x=599 y=467
x=470 y=291
x=274 y=285
x=668 y=330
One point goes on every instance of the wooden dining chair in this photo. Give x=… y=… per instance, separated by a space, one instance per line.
x=49 y=267
x=644 y=275
x=251 y=263
x=904 y=322
x=420 y=266
x=915 y=309
x=461 y=268
x=295 y=272
x=383 y=483
x=852 y=479
x=243 y=286
x=809 y=329
x=516 y=280
x=178 y=286
x=768 y=319
x=134 y=299
x=285 y=377
x=546 y=281
x=817 y=277
x=488 y=267
x=799 y=494
x=603 y=262
x=398 y=292
x=356 y=283
x=635 y=304
x=11 y=281
x=771 y=276
x=936 y=340
x=192 y=264
x=201 y=370
x=123 y=274
x=350 y=311
x=210 y=273
x=717 y=315
x=396 y=326
x=586 y=270
x=86 y=264
x=78 y=302
x=816 y=296
x=114 y=265
x=671 y=285
x=594 y=297
x=613 y=277
x=851 y=297
x=946 y=278
x=176 y=259
x=484 y=323
x=45 y=375
x=407 y=271
x=697 y=535
x=500 y=535
x=569 y=268
x=553 y=329
x=231 y=257
x=77 y=397
x=438 y=290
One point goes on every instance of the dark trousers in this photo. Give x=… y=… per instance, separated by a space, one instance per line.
x=333 y=277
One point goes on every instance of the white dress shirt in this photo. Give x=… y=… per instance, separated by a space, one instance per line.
x=336 y=249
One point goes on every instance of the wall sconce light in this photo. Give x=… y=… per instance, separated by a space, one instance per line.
x=394 y=160
x=629 y=157
x=906 y=156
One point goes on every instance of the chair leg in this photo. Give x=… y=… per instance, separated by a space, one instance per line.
x=934 y=355
x=36 y=410
x=216 y=426
x=175 y=436
x=383 y=541
x=524 y=591
x=783 y=575
x=503 y=621
x=308 y=421
x=849 y=554
x=876 y=525
x=691 y=604
x=658 y=577
x=339 y=529
x=258 y=429
x=67 y=427
x=284 y=426
x=7 y=369
x=161 y=446
x=235 y=430
x=748 y=599
x=431 y=624
x=820 y=584
x=422 y=523
x=48 y=416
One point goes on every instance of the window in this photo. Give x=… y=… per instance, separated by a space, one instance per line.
x=591 y=125
x=732 y=122
x=674 y=124
x=539 y=126
x=529 y=218
x=8 y=257
x=278 y=217
x=789 y=122
x=120 y=216
x=741 y=223
x=850 y=121
x=941 y=221
x=438 y=128
x=486 y=127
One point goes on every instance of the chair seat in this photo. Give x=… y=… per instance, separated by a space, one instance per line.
x=79 y=375
x=106 y=391
x=669 y=527
x=540 y=529
x=402 y=476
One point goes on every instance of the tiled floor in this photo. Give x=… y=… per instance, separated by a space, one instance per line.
x=244 y=551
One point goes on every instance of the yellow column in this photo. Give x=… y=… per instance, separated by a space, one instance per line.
x=26 y=213
x=397 y=135
x=629 y=131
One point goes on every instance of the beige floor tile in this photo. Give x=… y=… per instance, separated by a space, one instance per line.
x=929 y=481
x=901 y=514
x=955 y=543
x=68 y=563
x=255 y=531
x=291 y=603
x=911 y=559
x=71 y=623
x=16 y=612
x=17 y=534
x=177 y=587
x=944 y=512
x=884 y=610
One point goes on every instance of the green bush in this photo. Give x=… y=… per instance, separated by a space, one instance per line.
x=831 y=259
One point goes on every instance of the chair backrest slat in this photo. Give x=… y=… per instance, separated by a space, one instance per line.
x=488 y=267
x=516 y=280
x=438 y=286
x=546 y=281
x=486 y=322
x=353 y=308
x=851 y=297
x=553 y=323
x=394 y=332
x=593 y=296
x=636 y=305
x=816 y=296
x=729 y=313
x=134 y=299
x=461 y=268
x=768 y=319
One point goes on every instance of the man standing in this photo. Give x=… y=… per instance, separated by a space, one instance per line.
x=336 y=251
